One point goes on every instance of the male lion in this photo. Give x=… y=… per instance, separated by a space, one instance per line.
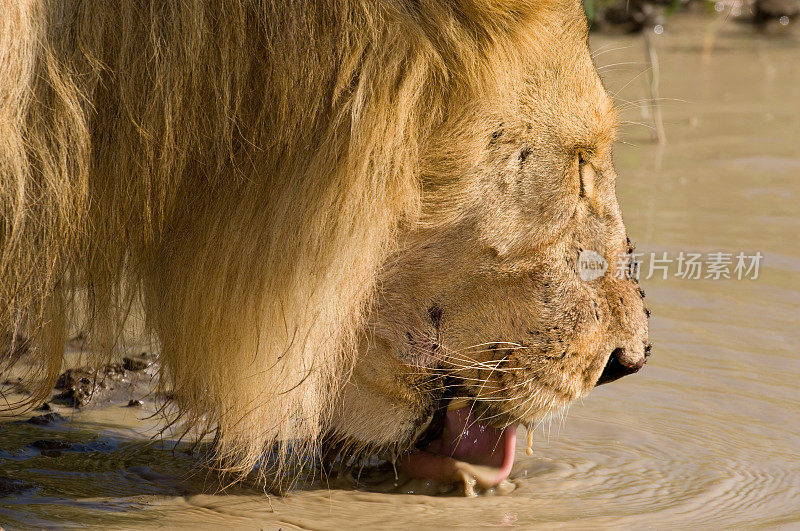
x=350 y=222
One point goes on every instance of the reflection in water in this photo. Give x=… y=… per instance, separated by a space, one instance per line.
x=708 y=434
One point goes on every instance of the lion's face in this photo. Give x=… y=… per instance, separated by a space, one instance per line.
x=483 y=300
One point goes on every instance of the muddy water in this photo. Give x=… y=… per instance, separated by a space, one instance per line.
x=707 y=435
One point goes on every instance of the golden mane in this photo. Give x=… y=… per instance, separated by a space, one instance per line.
x=237 y=168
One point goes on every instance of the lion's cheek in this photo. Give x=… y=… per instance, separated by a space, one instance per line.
x=380 y=405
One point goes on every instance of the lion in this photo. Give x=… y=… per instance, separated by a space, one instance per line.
x=351 y=227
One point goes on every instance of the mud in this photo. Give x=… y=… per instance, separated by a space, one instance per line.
x=81 y=386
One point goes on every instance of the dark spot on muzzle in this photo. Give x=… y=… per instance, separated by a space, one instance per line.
x=622 y=362
x=435 y=313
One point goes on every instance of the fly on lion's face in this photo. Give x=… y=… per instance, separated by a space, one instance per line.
x=481 y=319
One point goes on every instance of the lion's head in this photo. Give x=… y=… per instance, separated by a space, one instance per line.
x=482 y=305
x=356 y=222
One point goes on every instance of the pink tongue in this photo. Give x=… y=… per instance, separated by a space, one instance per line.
x=464 y=441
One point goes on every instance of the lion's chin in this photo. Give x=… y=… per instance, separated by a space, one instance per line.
x=465 y=451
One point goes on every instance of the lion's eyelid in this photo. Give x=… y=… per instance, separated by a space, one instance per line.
x=586 y=175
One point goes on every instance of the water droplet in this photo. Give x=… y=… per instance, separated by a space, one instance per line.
x=529 y=449
x=658 y=29
x=784 y=20
x=719 y=7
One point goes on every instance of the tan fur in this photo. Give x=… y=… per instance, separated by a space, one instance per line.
x=248 y=170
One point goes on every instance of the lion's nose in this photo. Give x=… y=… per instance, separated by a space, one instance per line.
x=622 y=362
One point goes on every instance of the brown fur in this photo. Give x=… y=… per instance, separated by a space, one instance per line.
x=247 y=171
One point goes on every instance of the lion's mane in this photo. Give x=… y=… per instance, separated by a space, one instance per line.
x=238 y=168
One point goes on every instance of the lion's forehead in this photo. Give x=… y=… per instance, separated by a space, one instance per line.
x=573 y=106
x=572 y=111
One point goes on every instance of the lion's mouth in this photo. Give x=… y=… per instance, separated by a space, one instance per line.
x=457 y=447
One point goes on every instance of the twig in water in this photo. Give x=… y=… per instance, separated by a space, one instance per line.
x=653 y=68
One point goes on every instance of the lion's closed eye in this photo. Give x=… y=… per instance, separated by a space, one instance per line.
x=587 y=176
